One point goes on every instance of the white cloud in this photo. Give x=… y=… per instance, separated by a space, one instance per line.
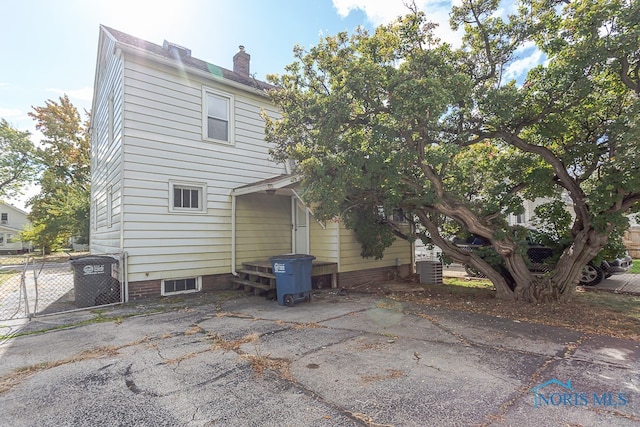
x=380 y=12
x=82 y=94
x=377 y=11
x=529 y=57
x=10 y=112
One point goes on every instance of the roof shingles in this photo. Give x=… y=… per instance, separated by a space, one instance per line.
x=190 y=61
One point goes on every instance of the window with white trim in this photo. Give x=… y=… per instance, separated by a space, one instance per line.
x=181 y=286
x=187 y=197
x=4 y=218
x=217 y=116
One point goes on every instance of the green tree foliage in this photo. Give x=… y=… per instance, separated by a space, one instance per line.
x=61 y=209
x=397 y=119
x=17 y=163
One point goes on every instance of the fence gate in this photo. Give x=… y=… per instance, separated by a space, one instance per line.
x=34 y=285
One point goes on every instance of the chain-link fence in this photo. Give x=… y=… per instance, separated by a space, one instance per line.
x=32 y=285
x=12 y=290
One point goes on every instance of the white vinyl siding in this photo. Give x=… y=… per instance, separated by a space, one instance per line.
x=109 y=213
x=350 y=250
x=163 y=142
x=94 y=210
x=263 y=224
x=110 y=119
x=12 y=220
x=106 y=150
x=323 y=240
x=150 y=124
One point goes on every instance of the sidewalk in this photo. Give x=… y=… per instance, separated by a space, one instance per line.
x=626 y=283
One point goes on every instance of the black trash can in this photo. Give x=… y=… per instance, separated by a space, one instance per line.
x=293 y=277
x=95 y=280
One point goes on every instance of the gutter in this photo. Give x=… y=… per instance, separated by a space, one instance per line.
x=124 y=258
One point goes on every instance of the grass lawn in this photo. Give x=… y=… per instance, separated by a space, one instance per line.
x=635 y=268
x=6 y=275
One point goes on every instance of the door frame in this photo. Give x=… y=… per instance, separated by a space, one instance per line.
x=299 y=232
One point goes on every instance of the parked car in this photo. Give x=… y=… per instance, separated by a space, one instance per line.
x=541 y=260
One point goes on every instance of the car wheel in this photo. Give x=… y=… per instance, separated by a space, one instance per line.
x=591 y=275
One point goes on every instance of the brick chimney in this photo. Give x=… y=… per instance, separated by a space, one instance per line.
x=241 y=62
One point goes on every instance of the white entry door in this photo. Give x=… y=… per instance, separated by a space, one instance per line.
x=300 y=216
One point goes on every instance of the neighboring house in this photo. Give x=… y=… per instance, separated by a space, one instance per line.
x=182 y=181
x=631 y=238
x=12 y=221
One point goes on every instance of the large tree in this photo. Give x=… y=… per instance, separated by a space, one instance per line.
x=17 y=164
x=397 y=119
x=61 y=210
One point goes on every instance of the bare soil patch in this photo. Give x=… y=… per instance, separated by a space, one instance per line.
x=593 y=312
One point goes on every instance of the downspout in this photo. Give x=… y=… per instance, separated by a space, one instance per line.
x=124 y=257
x=233 y=235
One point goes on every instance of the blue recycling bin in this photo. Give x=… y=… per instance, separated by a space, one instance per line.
x=293 y=277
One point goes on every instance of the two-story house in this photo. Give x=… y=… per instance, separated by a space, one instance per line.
x=12 y=222
x=182 y=181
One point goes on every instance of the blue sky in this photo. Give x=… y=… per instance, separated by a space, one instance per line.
x=50 y=46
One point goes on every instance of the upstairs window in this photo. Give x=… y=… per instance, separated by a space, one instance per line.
x=217 y=120
x=4 y=218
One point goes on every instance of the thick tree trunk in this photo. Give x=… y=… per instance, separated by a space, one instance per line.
x=543 y=290
x=513 y=280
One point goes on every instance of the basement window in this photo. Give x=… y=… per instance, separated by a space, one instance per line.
x=181 y=286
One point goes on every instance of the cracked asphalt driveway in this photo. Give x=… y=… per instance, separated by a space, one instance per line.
x=357 y=360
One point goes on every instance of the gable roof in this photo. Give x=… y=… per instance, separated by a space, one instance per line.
x=173 y=55
x=7 y=207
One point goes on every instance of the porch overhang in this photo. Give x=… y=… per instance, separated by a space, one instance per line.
x=281 y=185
